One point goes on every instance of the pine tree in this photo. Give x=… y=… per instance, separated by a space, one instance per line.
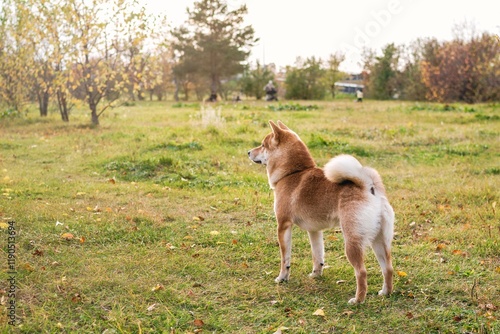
x=213 y=44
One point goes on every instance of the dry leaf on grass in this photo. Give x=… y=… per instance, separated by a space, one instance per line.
x=38 y=252
x=319 y=312
x=440 y=247
x=459 y=252
x=76 y=298
x=488 y=306
x=198 y=323
x=281 y=330
x=67 y=236
x=158 y=287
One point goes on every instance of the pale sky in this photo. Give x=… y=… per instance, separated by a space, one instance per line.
x=290 y=28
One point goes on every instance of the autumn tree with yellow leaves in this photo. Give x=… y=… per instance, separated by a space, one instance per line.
x=71 y=49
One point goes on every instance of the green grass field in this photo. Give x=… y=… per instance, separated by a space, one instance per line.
x=157 y=221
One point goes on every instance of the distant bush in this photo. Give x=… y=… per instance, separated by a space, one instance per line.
x=9 y=113
x=178 y=147
x=292 y=107
x=132 y=170
x=185 y=105
x=443 y=107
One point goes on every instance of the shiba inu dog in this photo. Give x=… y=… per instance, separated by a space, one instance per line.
x=343 y=193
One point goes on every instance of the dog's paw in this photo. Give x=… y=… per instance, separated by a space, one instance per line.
x=315 y=274
x=384 y=292
x=280 y=279
x=353 y=301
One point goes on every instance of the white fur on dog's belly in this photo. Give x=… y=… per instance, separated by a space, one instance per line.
x=315 y=226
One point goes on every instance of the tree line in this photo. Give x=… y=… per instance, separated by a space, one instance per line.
x=465 y=69
x=101 y=53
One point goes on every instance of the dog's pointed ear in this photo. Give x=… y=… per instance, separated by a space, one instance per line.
x=283 y=126
x=276 y=130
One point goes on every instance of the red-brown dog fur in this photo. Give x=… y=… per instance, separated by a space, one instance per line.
x=343 y=193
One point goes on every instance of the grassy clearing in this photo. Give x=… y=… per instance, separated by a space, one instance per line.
x=157 y=222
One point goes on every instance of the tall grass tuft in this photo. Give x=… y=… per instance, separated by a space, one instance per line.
x=211 y=116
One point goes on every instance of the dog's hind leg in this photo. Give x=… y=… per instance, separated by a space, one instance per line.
x=318 y=252
x=285 y=242
x=381 y=246
x=355 y=254
x=382 y=250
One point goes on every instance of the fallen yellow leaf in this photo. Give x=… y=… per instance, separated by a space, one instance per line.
x=402 y=274
x=281 y=330
x=3 y=225
x=440 y=247
x=319 y=312
x=28 y=267
x=158 y=287
x=67 y=236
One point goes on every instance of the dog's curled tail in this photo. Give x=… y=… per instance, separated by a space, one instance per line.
x=347 y=168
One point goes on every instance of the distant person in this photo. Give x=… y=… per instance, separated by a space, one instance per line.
x=212 y=98
x=359 y=95
x=270 y=91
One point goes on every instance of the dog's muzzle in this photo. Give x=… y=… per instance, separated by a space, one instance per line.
x=254 y=160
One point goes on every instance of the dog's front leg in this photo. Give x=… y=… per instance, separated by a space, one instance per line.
x=285 y=242
x=318 y=252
